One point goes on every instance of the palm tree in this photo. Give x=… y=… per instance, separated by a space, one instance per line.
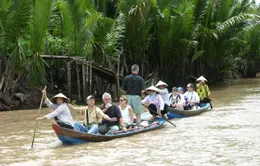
x=23 y=26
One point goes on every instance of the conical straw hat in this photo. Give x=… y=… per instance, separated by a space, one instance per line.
x=201 y=78
x=61 y=96
x=152 y=88
x=161 y=83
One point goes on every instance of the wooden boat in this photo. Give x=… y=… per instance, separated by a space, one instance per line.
x=177 y=113
x=68 y=136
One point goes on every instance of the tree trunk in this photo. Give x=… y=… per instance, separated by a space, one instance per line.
x=9 y=84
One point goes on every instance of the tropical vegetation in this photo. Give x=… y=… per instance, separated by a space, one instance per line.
x=175 y=40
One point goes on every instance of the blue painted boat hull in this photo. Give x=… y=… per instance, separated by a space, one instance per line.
x=68 y=136
x=176 y=113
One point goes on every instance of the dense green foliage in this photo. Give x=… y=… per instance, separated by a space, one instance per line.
x=179 y=39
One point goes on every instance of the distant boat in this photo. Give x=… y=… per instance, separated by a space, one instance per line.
x=177 y=113
x=68 y=136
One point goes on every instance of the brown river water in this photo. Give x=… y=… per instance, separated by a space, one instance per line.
x=228 y=135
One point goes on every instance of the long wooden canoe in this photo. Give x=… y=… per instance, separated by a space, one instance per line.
x=177 y=113
x=68 y=136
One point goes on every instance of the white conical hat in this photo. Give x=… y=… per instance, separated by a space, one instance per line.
x=153 y=88
x=201 y=78
x=161 y=83
x=61 y=96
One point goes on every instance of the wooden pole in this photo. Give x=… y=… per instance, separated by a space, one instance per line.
x=87 y=74
x=35 y=127
x=78 y=81
x=69 y=78
x=117 y=78
x=83 y=65
x=90 y=78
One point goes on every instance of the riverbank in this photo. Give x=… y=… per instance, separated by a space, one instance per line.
x=25 y=98
x=29 y=98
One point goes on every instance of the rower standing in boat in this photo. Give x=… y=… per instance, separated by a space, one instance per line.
x=163 y=92
x=61 y=111
x=112 y=111
x=192 y=96
x=92 y=116
x=203 y=90
x=134 y=86
x=156 y=102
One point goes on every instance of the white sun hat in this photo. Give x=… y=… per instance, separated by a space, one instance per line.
x=90 y=96
x=161 y=83
x=152 y=88
x=61 y=96
x=201 y=78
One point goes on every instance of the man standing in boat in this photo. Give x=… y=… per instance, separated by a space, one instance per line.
x=134 y=86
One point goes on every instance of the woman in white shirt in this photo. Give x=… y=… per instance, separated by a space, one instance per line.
x=163 y=91
x=156 y=104
x=193 y=98
x=61 y=112
x=126 y=111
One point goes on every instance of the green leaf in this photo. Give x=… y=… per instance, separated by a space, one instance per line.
x=197 y=55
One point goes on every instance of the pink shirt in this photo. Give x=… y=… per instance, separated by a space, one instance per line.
x=156 y=100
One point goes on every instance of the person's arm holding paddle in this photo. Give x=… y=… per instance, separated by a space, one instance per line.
x=53 y=114
x=47 y=101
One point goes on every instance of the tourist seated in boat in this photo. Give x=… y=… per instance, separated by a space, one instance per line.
x=203 y=90
x=180 y=90
x=176 y=99
x=92 y=116
x=156 y=104
x=126 y=111
x=192 y=97
x=61 y=112
x=112 y=111
x=162 y=86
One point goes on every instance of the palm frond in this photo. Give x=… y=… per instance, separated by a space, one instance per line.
x=197 y=55
x=18 y=18
x=38 y=28
x=75 y=13
x=223 y=28
x=114 y=39
x=39 y=23
x=126 y=6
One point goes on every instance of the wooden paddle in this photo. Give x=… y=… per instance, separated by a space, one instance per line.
x=211 y=105
x=35 y=127
x=159 y=115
